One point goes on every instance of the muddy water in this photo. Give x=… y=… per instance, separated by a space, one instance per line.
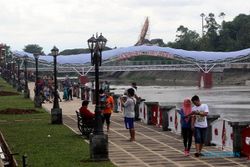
x=226 y=101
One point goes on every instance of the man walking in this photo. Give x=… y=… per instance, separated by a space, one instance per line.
x=199 y=123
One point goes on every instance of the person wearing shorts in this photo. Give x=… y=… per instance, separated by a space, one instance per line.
x=129 y=112
x=199 y=123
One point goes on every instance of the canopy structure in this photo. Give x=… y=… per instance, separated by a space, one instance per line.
x=123 y=53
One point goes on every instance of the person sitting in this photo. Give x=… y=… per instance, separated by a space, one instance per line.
x=84 y=111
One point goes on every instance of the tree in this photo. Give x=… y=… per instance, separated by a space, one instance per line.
x=185 y=39
x=78 y=51
x=7 y=53
x=33 y=48
x=211 y=37
x=235 y=35
x=222 y=15
x=230 y=36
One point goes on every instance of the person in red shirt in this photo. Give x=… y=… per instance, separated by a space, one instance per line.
x=88 y=115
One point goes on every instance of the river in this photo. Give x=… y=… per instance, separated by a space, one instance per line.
x=225 y=101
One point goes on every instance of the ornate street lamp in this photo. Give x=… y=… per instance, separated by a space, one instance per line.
x=13 y=65
x=98 y=140
x=19 y=88
x=4 y=56
x=26 y=88
x=37 y=99
x=56 y=111
x=202 y=23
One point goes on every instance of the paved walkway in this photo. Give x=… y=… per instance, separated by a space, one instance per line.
x=153 y=147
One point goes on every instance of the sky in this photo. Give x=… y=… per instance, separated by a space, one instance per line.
x=70 y=23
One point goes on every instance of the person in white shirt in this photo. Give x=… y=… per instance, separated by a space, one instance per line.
x=199 y=123
x=129 y=112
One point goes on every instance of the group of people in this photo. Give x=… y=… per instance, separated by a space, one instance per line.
x=128 y=101
x=67 y=89
x=45 y=89
x=193 y=118
x=194 y=122
x=106 y=107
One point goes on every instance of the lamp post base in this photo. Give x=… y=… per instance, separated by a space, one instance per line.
x=19 y=88
x=27 y=93
x=56 y=116
x=14 y=84
x=98 y=147
x=37 y=102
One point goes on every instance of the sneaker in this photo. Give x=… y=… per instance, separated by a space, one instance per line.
x=196 y=154
x=188 y=153
x=185 y=152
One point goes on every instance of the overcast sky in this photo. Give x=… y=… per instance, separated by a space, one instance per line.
x=69 y=23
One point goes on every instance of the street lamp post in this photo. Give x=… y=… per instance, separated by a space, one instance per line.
x=19 y=88
x=98 y=140
x=13 y=73
x=56 y=111
x=7 y=75
x=37 y=99
x=26 y=88
x=4 y=56
x=202 y=23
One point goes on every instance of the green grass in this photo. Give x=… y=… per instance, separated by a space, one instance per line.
x=6 y=87
x=29 y=136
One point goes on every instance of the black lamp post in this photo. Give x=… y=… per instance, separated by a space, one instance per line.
x=56 y=111
x=4 y=56
x=19 y=88
x=26 y=88
x=7 y=72
x=37 y=99
x=98 y=140
x=202 y=23
x=13 y=65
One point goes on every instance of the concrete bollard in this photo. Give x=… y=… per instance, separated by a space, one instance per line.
x=237 y=137
x=117 y=104
x=137 y=109
x=150 y=106
x=164 y=109
x=210 y=119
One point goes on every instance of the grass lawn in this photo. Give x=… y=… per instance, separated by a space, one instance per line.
x=28 y=134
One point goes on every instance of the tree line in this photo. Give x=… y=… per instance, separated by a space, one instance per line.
x=227 y=36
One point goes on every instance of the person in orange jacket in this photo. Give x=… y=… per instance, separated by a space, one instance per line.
x=109 y=106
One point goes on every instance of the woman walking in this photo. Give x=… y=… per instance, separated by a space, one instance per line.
x=186 y=128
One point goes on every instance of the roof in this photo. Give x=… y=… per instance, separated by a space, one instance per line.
x=198 y=56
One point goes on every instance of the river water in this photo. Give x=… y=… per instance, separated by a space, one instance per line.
x=230 y=101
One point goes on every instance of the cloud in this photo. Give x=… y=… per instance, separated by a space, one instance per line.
x=69 y=23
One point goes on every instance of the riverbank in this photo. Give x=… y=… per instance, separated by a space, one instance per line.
x=176 y=78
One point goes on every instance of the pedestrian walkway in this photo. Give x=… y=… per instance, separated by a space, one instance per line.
x=152 y=147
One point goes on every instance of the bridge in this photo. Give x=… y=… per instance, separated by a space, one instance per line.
x=171 y=60
x=147 y=67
